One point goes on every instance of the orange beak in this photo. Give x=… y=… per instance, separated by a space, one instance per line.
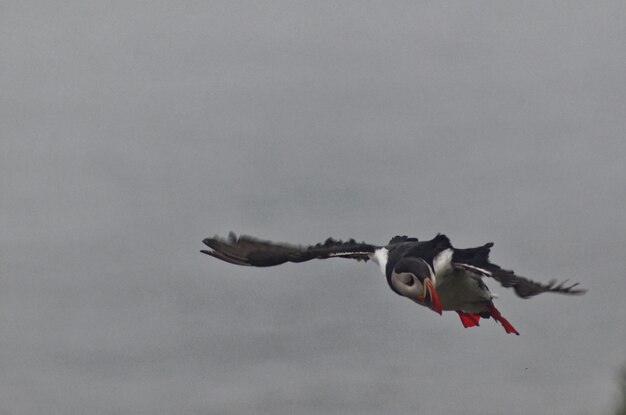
x=430 y=296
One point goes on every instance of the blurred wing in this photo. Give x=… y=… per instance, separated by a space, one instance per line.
x=246 y=250
x=523 y=287
x=476 y=261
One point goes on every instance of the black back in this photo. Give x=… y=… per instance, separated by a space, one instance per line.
x=403 y=247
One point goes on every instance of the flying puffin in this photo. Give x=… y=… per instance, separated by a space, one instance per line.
x=432 y=273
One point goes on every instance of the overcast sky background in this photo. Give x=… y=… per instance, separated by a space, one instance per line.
x=132 y=130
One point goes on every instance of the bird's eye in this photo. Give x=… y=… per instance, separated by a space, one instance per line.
x=408 y=280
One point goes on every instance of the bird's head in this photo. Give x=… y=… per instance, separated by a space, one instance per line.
x=414 y=278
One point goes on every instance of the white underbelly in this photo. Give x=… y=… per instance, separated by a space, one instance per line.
x=460 y=291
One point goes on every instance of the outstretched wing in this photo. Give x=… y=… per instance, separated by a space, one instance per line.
x=246 y=250
x=476 y=261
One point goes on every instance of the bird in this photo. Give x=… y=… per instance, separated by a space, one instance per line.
x=431 y=273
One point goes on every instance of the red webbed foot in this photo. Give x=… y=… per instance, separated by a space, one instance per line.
x=508 y=327
x=469 y=319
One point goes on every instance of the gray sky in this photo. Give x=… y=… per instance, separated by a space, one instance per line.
x=131 y=131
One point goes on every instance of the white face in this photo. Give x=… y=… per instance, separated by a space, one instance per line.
x=408 y=285
x=418 y=285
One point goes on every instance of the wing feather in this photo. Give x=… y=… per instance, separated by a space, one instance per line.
x=250 y=251
x=476 y=261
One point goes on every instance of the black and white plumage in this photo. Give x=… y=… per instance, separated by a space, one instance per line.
x=432 y=273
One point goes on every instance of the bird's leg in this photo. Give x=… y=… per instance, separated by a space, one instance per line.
x=508 y=327
x=469 y=319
